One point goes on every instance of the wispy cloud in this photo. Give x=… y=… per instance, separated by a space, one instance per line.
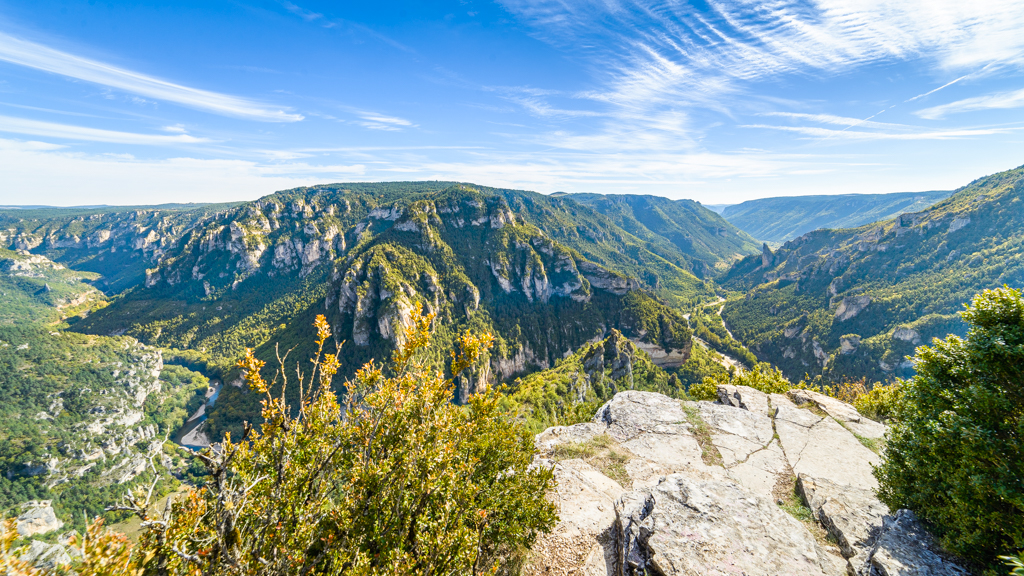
x=844 y=121
x=33 y=55
x=656 y=63
x=70 y=132
x=1002 y=100
x=375 y=121
x=819 y=133
x=307 y=15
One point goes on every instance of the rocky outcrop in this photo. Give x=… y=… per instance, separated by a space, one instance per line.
x=49 y=556
x=907 y=335
x=607 y=280
x=689 y=525
x=38 y=518
x=698 y=488
x=851 y=306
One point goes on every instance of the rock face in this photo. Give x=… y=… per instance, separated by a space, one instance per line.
x=851 y=306
x=697 y=487
x=38 y=518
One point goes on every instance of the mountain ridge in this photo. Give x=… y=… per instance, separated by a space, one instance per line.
x=778 y=219
x=855 y=302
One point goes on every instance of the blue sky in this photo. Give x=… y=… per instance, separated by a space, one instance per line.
x=147 y=102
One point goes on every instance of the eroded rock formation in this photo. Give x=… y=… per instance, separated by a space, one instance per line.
x=664 y=487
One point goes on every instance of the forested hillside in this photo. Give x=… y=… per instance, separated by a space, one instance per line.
x=777 y=220
x=856 y=302
x=705 y=240
x=118 y=243
x=82 y=415
x=545 y=275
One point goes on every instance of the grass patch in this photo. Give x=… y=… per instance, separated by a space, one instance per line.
x=788 y=498
x=873 y=444
x=708 y=451
x=601 y=452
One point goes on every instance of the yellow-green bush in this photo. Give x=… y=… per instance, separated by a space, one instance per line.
x=880 y=402
x=763 y=377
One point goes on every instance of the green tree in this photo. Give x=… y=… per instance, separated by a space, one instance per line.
x=955 y=453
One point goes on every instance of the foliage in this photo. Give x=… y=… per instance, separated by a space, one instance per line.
x=955 y=454
x=572 y=391
x=397 y=481
x=104 y=553
x=763 y=377
x=55 y=384
x=709 y=327
x=701 y=364
x=704 y=240
x=36 y=290
x=880 y=402
x=1014 y=562
x=916 y=271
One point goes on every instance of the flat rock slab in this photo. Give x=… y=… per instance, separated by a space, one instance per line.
x=843 y=413
x=751 y=426
x=586 y=510
x=711 y=527
x=852 y=516
x=632 y=413
x=661 y=454
x=820 y=448
x=744 y=438
x=761 y=471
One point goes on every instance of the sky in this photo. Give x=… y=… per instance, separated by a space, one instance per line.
x=210 y=101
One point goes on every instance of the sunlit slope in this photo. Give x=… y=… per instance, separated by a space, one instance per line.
x=855 y=302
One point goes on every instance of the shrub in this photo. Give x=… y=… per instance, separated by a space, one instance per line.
x=398 y=480
x=880 y=402
x=955 y=453
x=763 y=377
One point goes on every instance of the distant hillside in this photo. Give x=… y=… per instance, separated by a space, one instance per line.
x=780 y=219
x=856 y=302
x=81 y=414
x=702 y=238
x=116 y=242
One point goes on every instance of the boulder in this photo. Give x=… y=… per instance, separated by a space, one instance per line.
x=744 y=397
x=852 y=516
x=582 y=539
x=632 y=412
x=904 y=548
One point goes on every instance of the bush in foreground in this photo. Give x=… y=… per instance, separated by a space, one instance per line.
x=955 y=452
x=397 y=481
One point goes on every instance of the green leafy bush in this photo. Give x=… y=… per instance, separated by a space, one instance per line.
x=955 y=454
